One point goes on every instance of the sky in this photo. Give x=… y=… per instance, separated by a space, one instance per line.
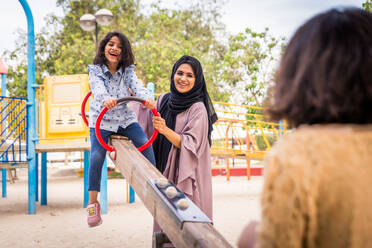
x=282 y=17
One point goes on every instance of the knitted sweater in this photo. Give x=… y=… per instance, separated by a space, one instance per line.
x=318 y=189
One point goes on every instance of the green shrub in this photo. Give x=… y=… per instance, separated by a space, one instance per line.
x=114 y=175
x=261 y=142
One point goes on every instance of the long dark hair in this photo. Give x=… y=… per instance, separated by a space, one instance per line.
x=325 y=75
x=127 y=56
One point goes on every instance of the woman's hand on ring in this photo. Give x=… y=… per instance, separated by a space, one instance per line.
x=159 y=124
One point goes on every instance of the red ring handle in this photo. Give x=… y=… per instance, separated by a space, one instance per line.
x=83 y=107
x=103 y=112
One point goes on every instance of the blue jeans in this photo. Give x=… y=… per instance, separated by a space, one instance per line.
x=134 y=132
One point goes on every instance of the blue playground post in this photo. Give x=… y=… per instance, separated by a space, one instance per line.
x=3 y=84
x=31 y=135
x=281 y=128
x=37 y=177
x=4 y=182
x=151 y=88
x=86 y=169
x=132 y=195
x=3 y=93
x=103 y=192
x=43 y=200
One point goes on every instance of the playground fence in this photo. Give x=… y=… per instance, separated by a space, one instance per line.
x=13 y=133
x=242 y=131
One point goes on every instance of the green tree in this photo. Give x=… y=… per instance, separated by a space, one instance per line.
x=175 y=33
x=250 y=63
x=158 y=39
x=367 y=5
x=17 y=72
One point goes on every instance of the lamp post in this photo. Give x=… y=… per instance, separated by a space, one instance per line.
x=89 y=22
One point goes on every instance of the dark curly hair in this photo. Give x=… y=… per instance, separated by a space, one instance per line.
x=127 y=57
x=325 y=74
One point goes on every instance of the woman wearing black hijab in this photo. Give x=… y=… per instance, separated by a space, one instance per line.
x=182 y=149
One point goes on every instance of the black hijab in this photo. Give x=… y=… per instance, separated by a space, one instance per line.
x=175 y=102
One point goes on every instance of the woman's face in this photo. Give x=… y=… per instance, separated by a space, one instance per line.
x=113 y=51
x=184 y=78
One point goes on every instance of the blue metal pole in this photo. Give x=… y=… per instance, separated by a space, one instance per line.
x=3 y=84
x=86 y=170
x=103 y=193
x=4 y=183
x=43 y=186
x=3 y=93
x=132 y=195
x=151 y=89
x=281 y=129
x=31 y=120
x=37 y=177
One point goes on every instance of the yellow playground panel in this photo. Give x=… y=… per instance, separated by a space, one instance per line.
x=59 y=109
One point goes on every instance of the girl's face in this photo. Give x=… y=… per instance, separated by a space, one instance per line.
x=113 y=51
x=184 y=78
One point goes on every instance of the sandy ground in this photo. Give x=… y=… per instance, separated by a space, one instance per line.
x=62 y=223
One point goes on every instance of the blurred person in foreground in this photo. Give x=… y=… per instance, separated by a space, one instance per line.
x=317 y=190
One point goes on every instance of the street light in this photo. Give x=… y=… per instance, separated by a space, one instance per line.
x=89 y=22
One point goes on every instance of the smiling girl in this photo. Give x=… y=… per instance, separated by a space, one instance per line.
x=111 y=77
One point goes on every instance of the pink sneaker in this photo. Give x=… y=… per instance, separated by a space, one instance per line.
x=94 y=215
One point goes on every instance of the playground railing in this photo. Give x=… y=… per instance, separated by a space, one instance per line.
x=13 y=133
x=242 y=131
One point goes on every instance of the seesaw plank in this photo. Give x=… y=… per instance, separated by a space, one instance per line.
x=140 y=172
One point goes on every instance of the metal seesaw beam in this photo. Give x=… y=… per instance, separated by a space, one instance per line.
x=141 y=175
